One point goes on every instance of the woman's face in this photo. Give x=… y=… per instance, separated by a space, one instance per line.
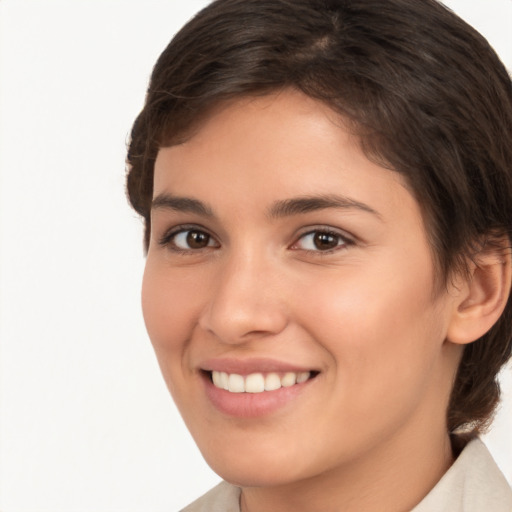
x=281 y=258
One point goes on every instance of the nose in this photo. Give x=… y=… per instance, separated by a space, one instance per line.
x=246 y=300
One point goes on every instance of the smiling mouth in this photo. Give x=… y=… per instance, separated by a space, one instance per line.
x=258 y=382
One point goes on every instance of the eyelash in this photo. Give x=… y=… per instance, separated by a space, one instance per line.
x=169 y=238
x=343 y=240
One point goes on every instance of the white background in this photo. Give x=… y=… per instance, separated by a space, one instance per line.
x=86 y=422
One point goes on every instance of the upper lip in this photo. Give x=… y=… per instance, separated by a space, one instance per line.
x=252 y=365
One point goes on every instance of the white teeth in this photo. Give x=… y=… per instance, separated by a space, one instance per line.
x=272 y=382
x=224 y=381
x=236 y=383
x=254 y=383
x=217 y=379
x=257 y=382
x=289 y=379
x=302 y=377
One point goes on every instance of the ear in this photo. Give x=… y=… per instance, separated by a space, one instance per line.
x=482 y=295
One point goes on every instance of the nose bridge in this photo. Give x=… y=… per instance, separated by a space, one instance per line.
x=245 y=300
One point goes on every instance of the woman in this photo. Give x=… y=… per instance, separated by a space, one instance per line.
x=327 y=192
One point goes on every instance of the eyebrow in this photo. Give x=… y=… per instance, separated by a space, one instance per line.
x=181 y=204
x=306 y=204
x=283 y=208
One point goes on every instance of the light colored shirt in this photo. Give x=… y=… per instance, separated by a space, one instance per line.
x=472 y=484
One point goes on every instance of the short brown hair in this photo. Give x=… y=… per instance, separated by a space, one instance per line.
x=428 y=96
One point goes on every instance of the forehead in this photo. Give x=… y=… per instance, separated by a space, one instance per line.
x=272 y=147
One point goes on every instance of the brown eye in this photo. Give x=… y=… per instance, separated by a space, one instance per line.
x=321 y=241
x=190 y=240
x=197 y=239
x=325 y=241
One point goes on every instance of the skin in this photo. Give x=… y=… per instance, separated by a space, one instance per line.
x=369 y=431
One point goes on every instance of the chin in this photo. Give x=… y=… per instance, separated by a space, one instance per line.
x=253 y=475
x=245 y=470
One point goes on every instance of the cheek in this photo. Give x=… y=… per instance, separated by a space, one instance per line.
x=381 y=328
x=170 y=303
x=169 y=306
x=384 y=344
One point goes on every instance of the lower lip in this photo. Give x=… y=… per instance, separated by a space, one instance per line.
x=252 y=405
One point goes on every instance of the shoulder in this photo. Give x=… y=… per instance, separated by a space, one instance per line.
x=222 y=498
x=473 y=483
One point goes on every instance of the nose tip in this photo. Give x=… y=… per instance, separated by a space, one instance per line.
x=244 y=305
x=240 y=324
